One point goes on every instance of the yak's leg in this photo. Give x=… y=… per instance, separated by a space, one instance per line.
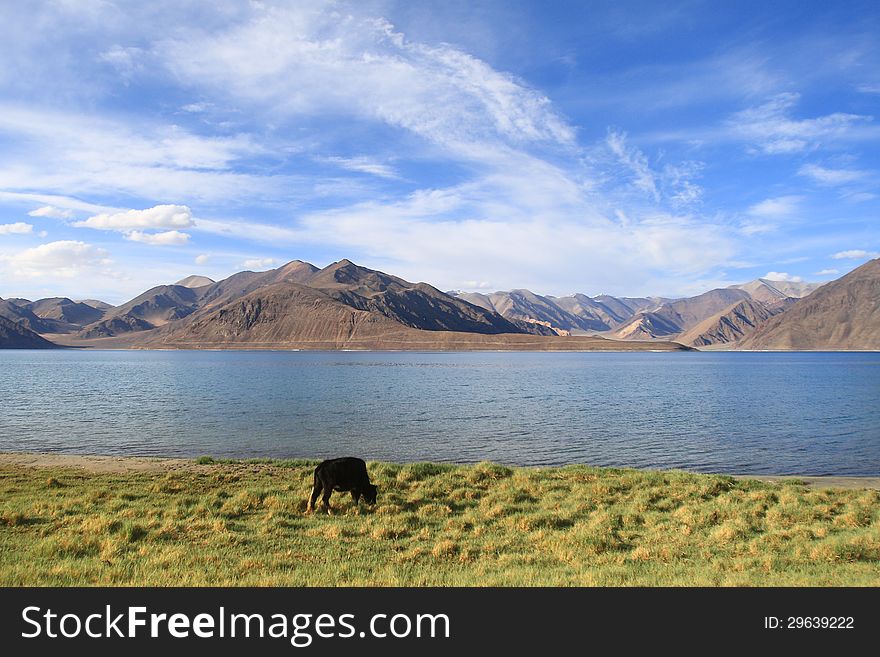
x=325 y=500
x=314 y=498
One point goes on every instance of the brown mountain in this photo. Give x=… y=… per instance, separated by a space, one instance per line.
x=417 y=305
x=574 y=313
x=155 y=307
x=21 y=314
x=195 y=281
x=842 y=314
x=732 y=324
x=343 y=306
x=50 y=316
x=526 y=306
x=767 y=291
x=66 y=310
x=675 y=317
x=95 y=303
x=245 y=282
x=16 y=336
x=294 y=316
x=604 y=310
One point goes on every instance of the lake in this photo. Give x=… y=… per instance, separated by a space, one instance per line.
x=750 y=413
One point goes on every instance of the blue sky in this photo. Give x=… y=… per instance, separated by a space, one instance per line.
x=622 y=147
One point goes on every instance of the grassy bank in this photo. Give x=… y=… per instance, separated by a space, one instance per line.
x=243 y=523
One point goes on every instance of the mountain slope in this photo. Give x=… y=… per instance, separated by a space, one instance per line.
x=293 y=316
x=576 y=312
x=842 y=314
x=679 y=316
x=155 y=307
x=95 y=303
x=733 y=323
x=16 y=336
x=66 y=310
x=22 y=315
x=765 y=290
x=525 y=306
x=195 y=281
x=245 y=282
x=417 y=305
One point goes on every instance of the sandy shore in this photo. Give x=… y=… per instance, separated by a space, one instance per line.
x=111 y=464
x=95 y=463
x=820 y=482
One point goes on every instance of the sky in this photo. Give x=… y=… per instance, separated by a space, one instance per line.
x=622 y=148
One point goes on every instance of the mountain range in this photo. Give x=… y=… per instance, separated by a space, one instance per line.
x=346 y=306
x=720 y=316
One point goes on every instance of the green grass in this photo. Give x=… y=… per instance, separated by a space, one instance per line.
x=244 y=523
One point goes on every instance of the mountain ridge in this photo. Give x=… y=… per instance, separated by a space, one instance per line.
x=345 y=305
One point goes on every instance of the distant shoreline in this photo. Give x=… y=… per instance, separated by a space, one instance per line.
x=109 y=464
x=428 y=350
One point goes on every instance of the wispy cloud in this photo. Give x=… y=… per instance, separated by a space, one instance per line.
x=832 y=177
x=827 y=272
x=70 y=153
x=767 y=215
x=635 y=161
x=771 y=128
x=299 y=60
x=780 y=206
x=855 y=254
x=363 y=164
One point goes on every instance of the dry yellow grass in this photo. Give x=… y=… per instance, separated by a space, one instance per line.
x=244 y=523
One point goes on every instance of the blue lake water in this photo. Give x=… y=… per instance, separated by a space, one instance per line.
x=753 y=413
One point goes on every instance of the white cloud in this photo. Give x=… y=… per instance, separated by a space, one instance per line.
x=828 y=272
x=476 y=285
x=363 y=165
x=62 y=259
x=65 y=202
x=167 y=238
x=767 y=215
x=202 y=259
x=69 y=153
x=52 y=211
x=832 y=177
x=304 y=60
x=259 y=263
x=126 y=60
x=780 y=206
x=782 y=276
x=159 y=216
x=530 y=241
x=195 y=108
x=855 y=254
x=18 y=228
x=858 y=197
x=772 y=129
x=634 y=160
